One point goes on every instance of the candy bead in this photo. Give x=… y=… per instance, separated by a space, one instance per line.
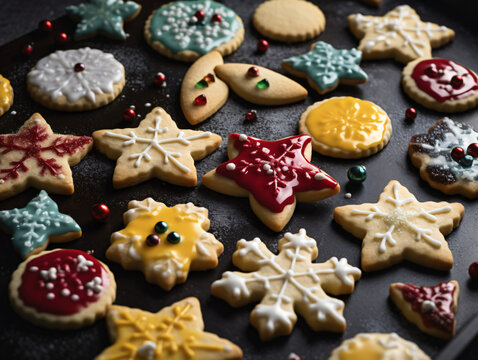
x=473 y=270
x=456 y=81
x=253 y=71
x=457 y=153
x=79 y=67
x=263 y=84
x=129 y=114
x=45 y=25
x=152 y=240
x=472 y=150
x=357 y=173
x=200 y=100
x=61 y=38
x=161 y=227
x=100 y=212
x=411 y=113
x=160 y=79
x=466 y=161
x=262 y=45
x=174 y=237
x=251 y=115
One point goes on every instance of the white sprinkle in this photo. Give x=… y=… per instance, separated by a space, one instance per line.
x=50 y=286
x=74 y=297
x=147 y=105
x=13 y=112
x=347 y=195
x=33 y=268
x=2 y=181
x=285 y=168
x=428 y=306
x=50 y=296
x=319 y=176
x=266 y=167
x=60 y=176
x=242 y=137
x=65 y=292
x=231 y=166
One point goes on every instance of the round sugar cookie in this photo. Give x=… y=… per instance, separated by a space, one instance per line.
x=76 y=80
x=6 y=95
x=289 y=20
x=440 y=84
x=346 y=127
x=186 y=30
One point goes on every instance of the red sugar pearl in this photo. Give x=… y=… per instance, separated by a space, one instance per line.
x=472 y=150
x=27 y=50
x=201 y=100
x=61 y=38
x=216 y=18
x=159 y=79
x=251 y=115
x=129 y=114
x=200 y=15
x=45 y=25
x=100 y=212
x=411 y=113
x=253 y=71
x=457 y=153
x=473 y=270
x=456 y=81
x=262 y=45
x=79 y=67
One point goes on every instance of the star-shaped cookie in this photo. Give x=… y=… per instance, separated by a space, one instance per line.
x=38 y=223
x=37 y=157
x=399 y=34
x=165 y=243
x=175 y=332
x=273 y=174
x=103 y=16
x=325 y=67
x=156 y=148
x=400 y=227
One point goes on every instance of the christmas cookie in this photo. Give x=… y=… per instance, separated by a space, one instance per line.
x=186 y=30
x=346 y=127
x=62 y=289
x=399 y=227
x=202 y=92
x=375 y=346
x=399 y=34
x=259 y=85
x=76 y=80
x=447 y=157
x=156 y=148
x=289 y=20
x=6 y=95
x=286 y=282
x=326 y=67
x=37 y=157
x=165 y=242
x=176 y=332
x=38 y=223
x=273 y=174
x=441 y=84
x=105 y=17
x=431 y=308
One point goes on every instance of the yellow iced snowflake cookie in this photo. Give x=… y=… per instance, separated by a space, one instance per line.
x=346 y=127
x=6 y=95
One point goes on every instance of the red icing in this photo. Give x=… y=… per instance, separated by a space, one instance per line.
x=33 y=290
x=442 y=295
x=434 y=76
x=277 y=189
x=29 y=141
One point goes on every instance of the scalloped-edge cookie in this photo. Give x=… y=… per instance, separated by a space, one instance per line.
x=440 y=84
x=165 y=243
x=62 y=289
x=346 y=127
x=186 y=30
x=375 y=346
x=289 y=20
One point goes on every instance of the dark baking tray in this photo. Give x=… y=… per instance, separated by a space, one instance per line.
x=368 y=309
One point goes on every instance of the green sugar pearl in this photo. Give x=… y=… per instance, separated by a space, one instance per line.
x=466 y=161
x=263 y=84
x=357 y=173
x=201 y=84
x=174 y=237
x=161 y=227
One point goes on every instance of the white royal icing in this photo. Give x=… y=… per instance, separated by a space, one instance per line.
x=55 y=74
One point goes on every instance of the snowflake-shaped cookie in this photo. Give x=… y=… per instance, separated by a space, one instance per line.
x=103 y=16
x=35 y=156
x=378 y=346
x=399 y=34
x=325 y=67
x=431 y=152
x=167 y=260
x=156 y=148
x=273 y=174
x=400 y=227
x=287 y=282
x=38 y=223
x=175 y=332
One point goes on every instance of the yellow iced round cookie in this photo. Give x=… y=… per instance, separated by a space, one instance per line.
x=346 y=127
x=6 y=95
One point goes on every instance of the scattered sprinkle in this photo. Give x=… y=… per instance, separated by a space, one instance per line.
x=347 y=195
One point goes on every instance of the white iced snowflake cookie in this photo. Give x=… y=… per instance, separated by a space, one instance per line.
x=372 y=346
x=286 y=283
x=76 y=80
x=399 y=227
x=399 y=34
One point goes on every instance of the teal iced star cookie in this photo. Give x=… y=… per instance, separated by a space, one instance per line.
x=325 y=67
x=103 y=16
x=38 y=223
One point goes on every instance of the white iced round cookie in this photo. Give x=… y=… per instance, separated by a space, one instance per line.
x=76 y=80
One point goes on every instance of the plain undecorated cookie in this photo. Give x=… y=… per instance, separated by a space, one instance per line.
x=289 y=20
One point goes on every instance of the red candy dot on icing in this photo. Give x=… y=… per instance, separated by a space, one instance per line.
x=472 y=150
x=200 y=100
x=200 y=15
x=456 y=81
x=457 y=153
x=216 y=18
x=79 y=67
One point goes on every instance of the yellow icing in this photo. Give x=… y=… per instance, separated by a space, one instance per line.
x=185 y=223
x=347 y=123
x=366 y=349
x=6 y=92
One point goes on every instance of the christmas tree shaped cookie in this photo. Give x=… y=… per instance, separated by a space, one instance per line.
x=176 y=332
x=431 y=308
x=156 y=148
x=286 y=283
x=399 y=227
x=165 y=243
x=35 y=156
x=273 y=174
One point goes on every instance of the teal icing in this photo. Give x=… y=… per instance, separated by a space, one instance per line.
x=325 y=65
x=173 y=25
x=102 y=15
x=32 y=225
